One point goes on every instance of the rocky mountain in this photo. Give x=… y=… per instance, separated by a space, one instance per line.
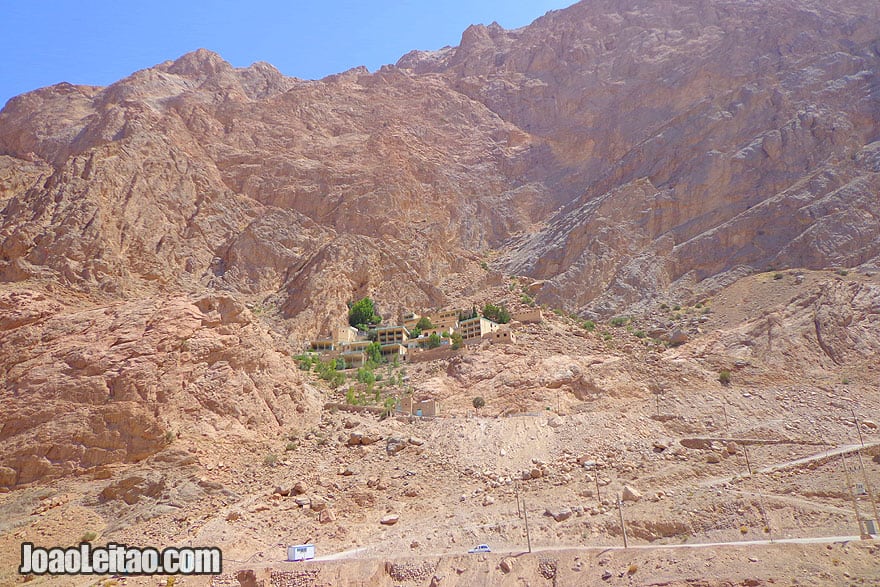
x=614 y=149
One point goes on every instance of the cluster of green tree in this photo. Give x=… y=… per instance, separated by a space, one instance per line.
x=497 y=314
x=362 y=314
x=423 y=324
x=329 y=371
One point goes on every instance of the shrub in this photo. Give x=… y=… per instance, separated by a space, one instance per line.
x=743 y=529
x=484 y=265
x=778 y=276
x=632 y=569
x=497 y=314
x=270 y=459
x=457 y=341
x=640 y=333
x=479 y=402
x=291 y=446
x=724 y=377
x=365 y=375
x=88 y=536
x=424 y=323
x=527 y=299
x=589 y=325
x=842 y=272
x=676 y=307
x=619 y=320
x=433 y=341
x=374 y=353
x=363 y=313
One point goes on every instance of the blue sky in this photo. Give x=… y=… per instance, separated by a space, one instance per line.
x=99 y=42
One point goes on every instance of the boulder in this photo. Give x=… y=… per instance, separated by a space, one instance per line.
x=395 y=445
x=389 y=520
x=506 y=565
x=559 y=515
x=631 y=493
x=326 y=516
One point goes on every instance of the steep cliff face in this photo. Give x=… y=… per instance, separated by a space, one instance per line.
x=85 y=387
x=612 y=148
x=694 y=137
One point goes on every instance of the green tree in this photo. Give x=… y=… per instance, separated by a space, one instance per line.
x=433 y=340
x=362 y=313
x=374 y=353
x=366 y=375
x=456 y=341
x=497 y=314
x=424 y=323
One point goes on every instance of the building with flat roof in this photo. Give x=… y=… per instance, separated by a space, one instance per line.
x=392 y=335
x=354 y=359
x=445 y=319
x=422 y=408
x=502 y=335
x=410 y=320
x=346 y=334
x=393 y=351
x=473 y=329
x=322 y=345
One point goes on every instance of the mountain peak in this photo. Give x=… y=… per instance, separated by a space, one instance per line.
x=201 y=62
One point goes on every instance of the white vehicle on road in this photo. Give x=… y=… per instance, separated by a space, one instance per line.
x=480 y=548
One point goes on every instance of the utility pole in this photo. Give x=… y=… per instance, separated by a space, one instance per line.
x=852 y=495
x=748 y=462
x=726 y=421
x=764 y=515
x=622 y=523
x=526 y=517
x=858 y=427
x=518 y=510
x=598 y=497
x=864 y=472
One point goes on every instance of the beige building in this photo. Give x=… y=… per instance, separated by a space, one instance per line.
x=393 y=351
x=533 y=316
x=346 y=334
x=392 y=335
x=354 y=359
x=322 y=345
x=410 y=320
x=445 y=319
x=473 y=329
x=503 y=335
x=422 y=408
x=358 y=345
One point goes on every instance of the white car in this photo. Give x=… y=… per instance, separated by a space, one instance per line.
x=480 y=548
